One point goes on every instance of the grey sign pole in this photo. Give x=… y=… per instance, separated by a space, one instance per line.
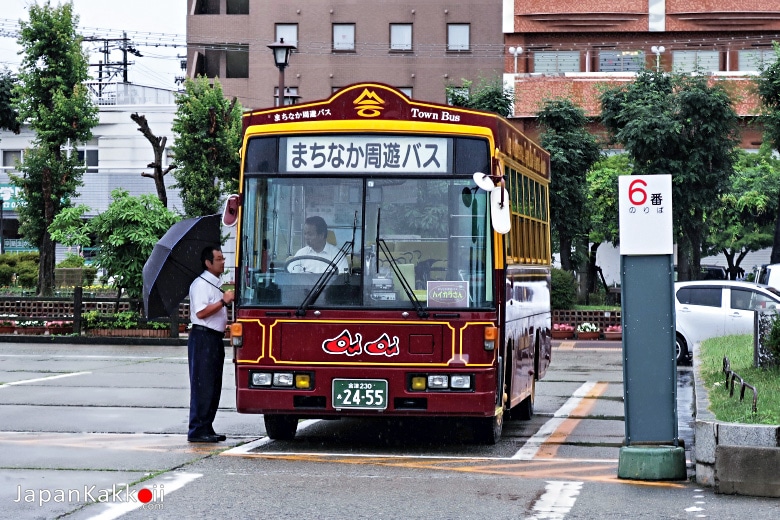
x=652 y=450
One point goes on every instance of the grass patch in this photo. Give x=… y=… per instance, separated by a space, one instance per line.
x=613 y=308
x=739 y=350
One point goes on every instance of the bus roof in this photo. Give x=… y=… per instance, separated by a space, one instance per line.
x=379 y=102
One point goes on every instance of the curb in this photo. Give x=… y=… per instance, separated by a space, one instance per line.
x=733 y=458
x=91 y=340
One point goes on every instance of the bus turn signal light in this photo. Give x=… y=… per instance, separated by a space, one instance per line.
x=236 y=334
x=491 y=336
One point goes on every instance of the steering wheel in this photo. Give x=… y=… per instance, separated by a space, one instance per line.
x=294 y=259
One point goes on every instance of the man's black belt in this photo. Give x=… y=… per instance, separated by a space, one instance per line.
x=206 y=329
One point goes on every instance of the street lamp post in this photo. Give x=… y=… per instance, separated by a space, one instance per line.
x=515 y=51
x=657 y=50
x=282 y=53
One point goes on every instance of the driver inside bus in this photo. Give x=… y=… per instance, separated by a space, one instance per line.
x=318 y=253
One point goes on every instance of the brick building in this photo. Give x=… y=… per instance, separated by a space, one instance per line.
x=573 y=48
x=419 y=47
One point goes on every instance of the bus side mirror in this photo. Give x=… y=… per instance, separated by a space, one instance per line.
x=230 y=211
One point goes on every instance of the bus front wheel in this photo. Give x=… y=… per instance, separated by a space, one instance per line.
x=281 y=427
x=487 y=430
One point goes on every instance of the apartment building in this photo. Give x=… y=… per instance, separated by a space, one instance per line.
x=418 y=47
x=572 y=49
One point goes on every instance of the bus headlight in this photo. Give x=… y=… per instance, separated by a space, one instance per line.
x=438 y=381
x=283 y=379
x=460 y=381
x=261 y=379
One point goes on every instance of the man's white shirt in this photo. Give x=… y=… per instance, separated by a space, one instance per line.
x=308 y=265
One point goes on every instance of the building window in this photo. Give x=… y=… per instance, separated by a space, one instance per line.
x=755 y=59
x=288 y=32
x=211 y=63
x=237 y=62
x=10 y=159
x=88 y=158
x=551 y=62
x=407 y=91
x=621 y=61
x=290 y=95
x=458 y=36
x=207 y=7
x=237 y=6
x=693 y=61
x=400 y=36
x=343 y=36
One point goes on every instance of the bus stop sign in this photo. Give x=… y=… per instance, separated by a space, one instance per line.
x=652 y=449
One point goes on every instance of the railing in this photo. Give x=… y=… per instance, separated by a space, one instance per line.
x=72 y=309
x=731 y=376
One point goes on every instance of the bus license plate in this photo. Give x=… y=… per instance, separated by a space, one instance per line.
x=367 y=394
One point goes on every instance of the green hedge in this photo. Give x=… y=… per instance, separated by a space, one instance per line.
x=564 y=290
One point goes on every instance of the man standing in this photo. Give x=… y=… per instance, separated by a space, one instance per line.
x=315 y=234
x=205 y=347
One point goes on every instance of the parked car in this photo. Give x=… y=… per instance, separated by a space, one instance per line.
x=709 y=308
x=769 y=274
x=709 y=272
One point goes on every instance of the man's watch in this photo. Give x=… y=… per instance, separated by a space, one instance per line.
x=224 y=303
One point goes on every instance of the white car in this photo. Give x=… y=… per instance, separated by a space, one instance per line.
x=710 y=308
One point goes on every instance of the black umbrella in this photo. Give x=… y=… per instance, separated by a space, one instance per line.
x=175 y=263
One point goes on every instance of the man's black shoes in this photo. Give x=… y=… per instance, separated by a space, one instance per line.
x=220 y=437
x=206 y=438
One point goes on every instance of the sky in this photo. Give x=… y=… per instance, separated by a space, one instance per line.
x=153 y=26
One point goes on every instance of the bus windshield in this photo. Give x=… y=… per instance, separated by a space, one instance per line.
x=412 y=242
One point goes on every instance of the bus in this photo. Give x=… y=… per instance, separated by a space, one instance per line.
x=392 y=260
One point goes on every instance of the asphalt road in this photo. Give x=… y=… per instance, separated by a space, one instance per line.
x=108 y=422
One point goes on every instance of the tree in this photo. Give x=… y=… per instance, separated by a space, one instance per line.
x=602 y=200
x=158 y=148
x=745 y=219
x=573 y=150
x=768 y=83
x=9 y=117
x=126 y=234
x=681 y=125
x=488 y=95
x=50 y=96
x=206 y=146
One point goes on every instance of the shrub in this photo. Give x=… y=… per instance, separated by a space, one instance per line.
x=23 y=265
x=563 y=293
x=88 y=273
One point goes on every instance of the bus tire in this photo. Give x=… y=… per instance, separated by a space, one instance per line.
x=487 y=430
x=280 y=427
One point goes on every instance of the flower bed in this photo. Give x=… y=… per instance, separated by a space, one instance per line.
x=588 y=330
x=31 y=327
x=613 y=332
x=562 y=331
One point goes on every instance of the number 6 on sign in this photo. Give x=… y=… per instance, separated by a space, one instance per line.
x=645 y=207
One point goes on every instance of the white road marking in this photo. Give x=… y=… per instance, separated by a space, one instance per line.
x=168 y=483
x=557 y=501
x=244 y=449
x=39 y=379
x=532 y=445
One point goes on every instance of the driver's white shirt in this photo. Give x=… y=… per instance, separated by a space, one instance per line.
x=307 y=265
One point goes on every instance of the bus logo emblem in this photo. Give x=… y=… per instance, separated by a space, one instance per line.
x=368 y=104
x=352 y=345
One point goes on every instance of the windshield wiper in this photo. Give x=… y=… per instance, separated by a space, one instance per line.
x=330 y=270
x=323 y=280
x=382 y=246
